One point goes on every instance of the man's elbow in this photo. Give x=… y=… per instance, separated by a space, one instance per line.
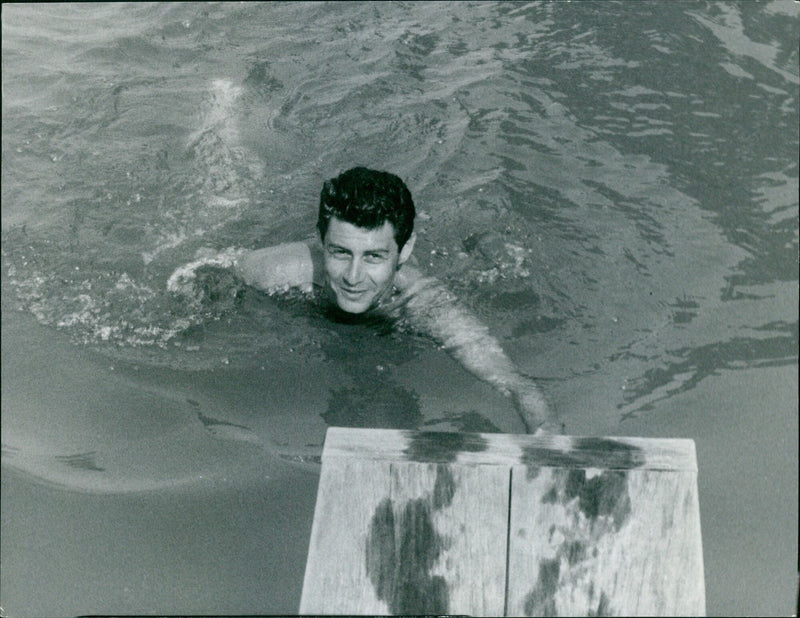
x=281 y=266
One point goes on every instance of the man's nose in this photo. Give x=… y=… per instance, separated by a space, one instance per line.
x=354 y=272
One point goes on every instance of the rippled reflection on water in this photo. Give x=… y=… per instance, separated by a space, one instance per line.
x=612 y=188
x=614 y=197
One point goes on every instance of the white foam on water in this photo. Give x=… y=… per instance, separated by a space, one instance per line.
x=165 y=242
x=182 y=280
x=221 y=168
x=134 y=309
x=223 y=96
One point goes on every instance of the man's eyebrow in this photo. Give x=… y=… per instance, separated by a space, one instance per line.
x=376 y=251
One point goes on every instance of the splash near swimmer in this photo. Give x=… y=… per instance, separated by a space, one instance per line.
x=150 y=222
x=116 y=430
x=221 y=164
x=184 y=281
x=215 y=144
x=359 y=264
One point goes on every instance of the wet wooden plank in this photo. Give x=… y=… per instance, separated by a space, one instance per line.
x=413 y=538
x=450 y=525
x=604 y=542
x=480 y=524
x=349 y=493
x=510 y=449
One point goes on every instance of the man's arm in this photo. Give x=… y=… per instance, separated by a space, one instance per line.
x=434 y=310
x=277 y=268
x=272 y=269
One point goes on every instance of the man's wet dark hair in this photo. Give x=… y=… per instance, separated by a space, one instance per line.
x=367 y=198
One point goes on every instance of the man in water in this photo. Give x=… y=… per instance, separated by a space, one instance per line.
x=362 y=265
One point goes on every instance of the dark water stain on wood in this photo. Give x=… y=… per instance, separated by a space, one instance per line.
x=442 y=447
x=604 y=494
x=575 y=551
x=531 y=472
x=380 y=551
x=399 y=556
x=550 y=496
x=541 y=600
x=402 y=550
x=420 y=546
x=586 y=453
x=444 y=488
x=261 y=80
x=615 y=454
x=603 y=607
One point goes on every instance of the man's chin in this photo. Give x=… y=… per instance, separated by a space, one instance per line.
x=354 y=307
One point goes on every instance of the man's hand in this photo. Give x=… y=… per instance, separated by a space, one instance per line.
x=434 y=310
x=532 y=407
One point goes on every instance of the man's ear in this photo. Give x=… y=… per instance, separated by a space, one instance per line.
x=405 y=252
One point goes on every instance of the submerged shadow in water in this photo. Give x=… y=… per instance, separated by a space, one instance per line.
x=374 y=403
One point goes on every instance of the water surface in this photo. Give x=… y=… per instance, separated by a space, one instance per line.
x=611 y=187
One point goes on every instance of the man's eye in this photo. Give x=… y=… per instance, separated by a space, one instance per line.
x=375 y=258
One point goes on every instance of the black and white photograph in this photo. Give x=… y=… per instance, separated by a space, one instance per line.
x=472 y=308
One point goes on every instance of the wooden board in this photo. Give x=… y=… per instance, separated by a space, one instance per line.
x=493 y=524
x=493 y=449
x=339 y=537
x=407 y=538
x=605 y=543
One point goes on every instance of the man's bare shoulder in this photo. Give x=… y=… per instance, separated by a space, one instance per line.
x=408 y=276
x=281 y=266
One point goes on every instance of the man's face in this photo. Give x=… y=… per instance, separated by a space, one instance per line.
x=361 y=263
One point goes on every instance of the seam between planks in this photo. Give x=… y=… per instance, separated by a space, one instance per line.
x=508 y=539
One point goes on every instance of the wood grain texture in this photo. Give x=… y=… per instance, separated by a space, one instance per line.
x=465 y=554
x=408 y=538
x=420 y=523
x=510 y=449
x=605 y=542
x=336 y=573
